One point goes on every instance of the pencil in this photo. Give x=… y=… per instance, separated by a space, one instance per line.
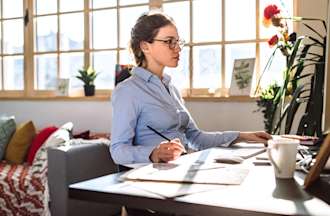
x=161 y=135
x=158 y=133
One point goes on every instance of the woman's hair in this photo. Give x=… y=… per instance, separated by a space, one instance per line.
x=145 y=29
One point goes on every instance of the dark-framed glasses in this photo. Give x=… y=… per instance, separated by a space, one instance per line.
x=172 y=42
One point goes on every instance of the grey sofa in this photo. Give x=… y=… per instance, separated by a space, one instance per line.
x=71 y=164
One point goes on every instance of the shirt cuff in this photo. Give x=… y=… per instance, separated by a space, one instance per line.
x=144 y=154
x=230 y=137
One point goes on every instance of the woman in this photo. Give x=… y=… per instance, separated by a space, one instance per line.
x=148 y=100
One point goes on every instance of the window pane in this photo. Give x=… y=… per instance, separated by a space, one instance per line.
x=286 y=8
x=103 y=3
x=237 y=51
x=45 y=71
x=128 y=17
x=104 y=64
x=45 y=6
x=13 y=36
x=207 y=66
x=179 y=11
x=130 y=2
x=240 y=19
x=46 y=33
x=70 y=64
x=1 y=78
x=104 y=34
x=12 y=8
x=180 y=74
x=125 y=57
x=275 y=72
x=0 y=38
x=13 y=72
x=206 y=13
x=71 y=5
x=72 y=31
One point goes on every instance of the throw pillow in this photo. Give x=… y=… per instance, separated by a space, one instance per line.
x=7 y=129
x=58 y=138
x=37 y=142
x=20 y=142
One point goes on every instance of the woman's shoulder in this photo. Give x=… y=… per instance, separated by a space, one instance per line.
x=128 y=86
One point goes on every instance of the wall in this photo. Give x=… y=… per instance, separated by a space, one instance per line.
x=96 y=115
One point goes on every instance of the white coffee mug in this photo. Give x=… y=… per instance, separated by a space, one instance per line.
x=282 y=154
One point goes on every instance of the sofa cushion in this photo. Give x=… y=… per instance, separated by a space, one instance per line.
x=37 y=142
x=56 y=139
x=21 y=193
x=20 y=142
x=7 y=129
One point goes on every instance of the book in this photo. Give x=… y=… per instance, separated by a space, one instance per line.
x=303 y=140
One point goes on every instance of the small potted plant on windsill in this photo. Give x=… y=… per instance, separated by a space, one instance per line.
x=87 y=76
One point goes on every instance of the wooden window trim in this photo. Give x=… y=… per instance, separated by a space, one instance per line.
x=189 y=94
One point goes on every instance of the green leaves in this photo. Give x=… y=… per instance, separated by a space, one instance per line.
x=280 y=108
x=87 y=76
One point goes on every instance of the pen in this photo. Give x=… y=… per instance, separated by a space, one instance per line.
x=158 y=133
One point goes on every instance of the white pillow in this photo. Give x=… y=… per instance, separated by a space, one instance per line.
x=56 y=139
x=60 y=136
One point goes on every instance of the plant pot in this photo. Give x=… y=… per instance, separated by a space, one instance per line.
x=89 y=90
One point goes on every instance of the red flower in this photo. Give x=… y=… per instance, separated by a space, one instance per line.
x=270 y=11
x=273 y=41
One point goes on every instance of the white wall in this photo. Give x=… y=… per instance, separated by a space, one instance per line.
x=96 y=115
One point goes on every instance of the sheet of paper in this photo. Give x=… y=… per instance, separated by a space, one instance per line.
x=189 y=173
x=172 y=189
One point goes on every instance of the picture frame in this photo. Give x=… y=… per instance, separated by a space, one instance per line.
x=241 y=82
x=62 y=87
x=320 y=161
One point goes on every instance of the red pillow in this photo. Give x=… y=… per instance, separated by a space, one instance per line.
x=37 y=142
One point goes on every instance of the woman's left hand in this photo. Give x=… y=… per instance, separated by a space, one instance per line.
x=256 y=136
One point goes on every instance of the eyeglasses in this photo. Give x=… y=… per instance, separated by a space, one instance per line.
x=172 y=42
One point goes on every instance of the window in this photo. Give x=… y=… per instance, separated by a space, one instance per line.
x=43 y=40
x=217 y=33
x=11 y=46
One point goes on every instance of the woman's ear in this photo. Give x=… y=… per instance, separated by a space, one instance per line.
x=144 y=46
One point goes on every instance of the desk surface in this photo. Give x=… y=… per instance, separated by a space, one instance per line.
x=259 y=194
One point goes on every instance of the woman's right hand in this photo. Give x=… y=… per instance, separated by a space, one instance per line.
x=167 y=151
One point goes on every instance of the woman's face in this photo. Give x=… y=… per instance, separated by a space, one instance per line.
x=165 y=48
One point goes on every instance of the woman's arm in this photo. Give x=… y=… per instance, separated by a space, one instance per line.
x=125 y=111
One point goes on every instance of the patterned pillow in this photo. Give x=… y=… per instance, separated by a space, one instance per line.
x=20 y=142
x=58 y=138
x=7 y=129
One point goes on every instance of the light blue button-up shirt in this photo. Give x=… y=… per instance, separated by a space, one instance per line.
x=143 y=100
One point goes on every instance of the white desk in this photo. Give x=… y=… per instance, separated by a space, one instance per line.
x=259 y=194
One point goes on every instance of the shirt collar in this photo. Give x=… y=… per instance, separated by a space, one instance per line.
x=147 y=75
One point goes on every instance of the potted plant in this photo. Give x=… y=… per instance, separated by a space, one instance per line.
x=87 y=76
x=298 y=86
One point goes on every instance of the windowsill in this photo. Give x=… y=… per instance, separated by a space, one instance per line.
x=206 y=98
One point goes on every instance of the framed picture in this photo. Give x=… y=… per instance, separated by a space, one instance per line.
x=242 y=77
x=320 y=161
x=62 y=88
